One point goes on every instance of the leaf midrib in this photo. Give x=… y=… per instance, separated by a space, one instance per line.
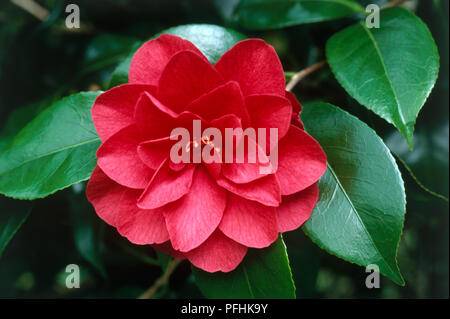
x=93 y=140
x=386 y=73
x=347 y=197
x=248 y=282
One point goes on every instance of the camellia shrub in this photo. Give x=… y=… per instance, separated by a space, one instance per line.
x=330 y=174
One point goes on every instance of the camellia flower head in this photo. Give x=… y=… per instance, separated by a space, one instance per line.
x=209 y=213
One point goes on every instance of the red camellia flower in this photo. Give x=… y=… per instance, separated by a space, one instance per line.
x=208 y=213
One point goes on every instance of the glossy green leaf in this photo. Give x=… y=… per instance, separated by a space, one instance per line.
x=391 y=70
x=360 y=213
x=269 y=14
x=53 y=151
x=212 y=40
x=264 y=273
x=12 y=215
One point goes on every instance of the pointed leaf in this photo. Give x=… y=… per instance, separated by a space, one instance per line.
x=391 y=70
x=360 y=213
x=53 y=151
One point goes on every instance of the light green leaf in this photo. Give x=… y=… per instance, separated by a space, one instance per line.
x=211 y=40
x=53 y=151
x=269 y=14
x=390 y=70
x=264 y=273
x=360 y=213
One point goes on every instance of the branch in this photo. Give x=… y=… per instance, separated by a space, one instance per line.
x=33 y=8
x=161 y=281
x=394 y=3
x=304 y=73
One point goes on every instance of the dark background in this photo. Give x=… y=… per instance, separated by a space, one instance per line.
x=43 y=61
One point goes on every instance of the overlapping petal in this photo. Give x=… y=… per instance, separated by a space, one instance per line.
x=249 y=223
x=116 y=205
x=114 y=109
x=217 y=253
x=151 y=58
x=255 y=66
x=193 y=218
x=301 y=161
x=265 y=190
x=295 y=209
x=185 y=78
x=224 y=100
x=270 y=112
x=166 y=186
x=119 y=151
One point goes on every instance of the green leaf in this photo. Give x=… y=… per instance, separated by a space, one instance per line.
x=269 y=14
x=390 y=70
x=106 y=49
x=88 y=229
x=19 y=118
x=53 y=151
x=361 y=208
x=13 y=215
x=211 y=40
x=264 y=273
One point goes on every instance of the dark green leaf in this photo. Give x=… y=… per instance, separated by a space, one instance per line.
x=264 y=273
x=55 y=150
x=13 y=214
x=107 y=49
x=360 y=213
x=88 y=230
x=212 y=40
x=391 y=70
x=269 y=14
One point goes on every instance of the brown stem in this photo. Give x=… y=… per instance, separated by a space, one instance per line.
x=161 y=281
x=33 y=8
x=304 y=73
x=394 y=3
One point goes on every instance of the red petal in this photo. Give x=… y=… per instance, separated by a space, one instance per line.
x=217 y=253
x=104 y=194
x=116 y=205
x=186 y=77
x=255 y=66
x=249 y=223
x=192 y=219
x=150 y=60
x=248 y=171
x=225 y=99
x=296 y=109
x=166 y=186
x=153 y=119
x=143 y=227
x=265 y=190
x=269 y=111
x=118 y=158
x=154 y=152
x=301 y=161
x=114 y=109
x=295 y=209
